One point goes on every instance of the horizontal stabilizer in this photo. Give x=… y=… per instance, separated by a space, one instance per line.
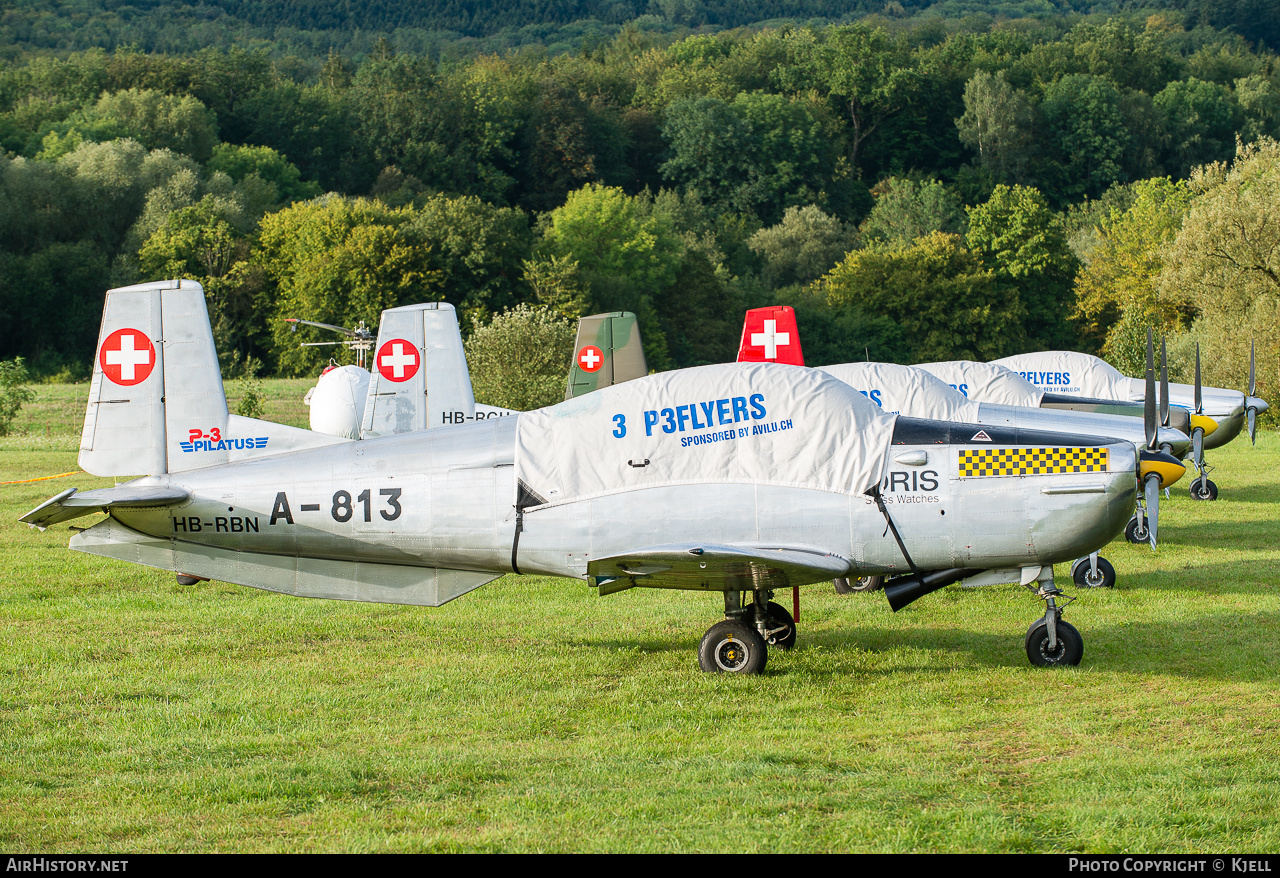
x=286 y=574
x=73 y=504
x=715 y=568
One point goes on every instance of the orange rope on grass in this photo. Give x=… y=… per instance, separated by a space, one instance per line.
x=74 y=472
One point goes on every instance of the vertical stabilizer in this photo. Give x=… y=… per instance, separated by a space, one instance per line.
x=607 y=351
x=419 y=378
x=155 y=381
x=770 y=335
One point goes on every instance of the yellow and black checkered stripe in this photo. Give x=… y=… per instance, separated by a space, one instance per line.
x=1030 y=461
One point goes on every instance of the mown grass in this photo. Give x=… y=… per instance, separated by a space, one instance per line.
x=532 y=715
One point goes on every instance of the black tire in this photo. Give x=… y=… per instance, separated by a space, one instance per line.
x=1106 y=577
x=1203 y=489
x=778 y=616
x=731 y=647
x=1070 y=645
x=862 y=583
x=1136 y=532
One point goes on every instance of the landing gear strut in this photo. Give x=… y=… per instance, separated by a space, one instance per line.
x=740 y=644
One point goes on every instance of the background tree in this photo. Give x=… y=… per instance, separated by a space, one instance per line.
x=802 y=247
x=1116 y=293
x=906 y=209
x=625 y=254
x=997 y=125
x=1226 y=261
x=520 y=360
x=1086 y=128
x=1201 y=118
x=948 y=305
x=1017 y=236
x=341 y=261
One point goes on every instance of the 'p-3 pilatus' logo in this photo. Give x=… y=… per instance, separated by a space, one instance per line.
x=198 y=440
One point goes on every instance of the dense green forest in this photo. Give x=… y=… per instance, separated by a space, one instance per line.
x=918 y=186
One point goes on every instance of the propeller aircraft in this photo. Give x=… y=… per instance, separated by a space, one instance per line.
x=1217 y=413
x=737 y=478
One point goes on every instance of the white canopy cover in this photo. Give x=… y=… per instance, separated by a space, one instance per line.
x=1073 y=373
x=986 y=382
x=906 y=390
x=752 y=423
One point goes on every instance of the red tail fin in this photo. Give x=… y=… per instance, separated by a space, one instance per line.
x=770 y=335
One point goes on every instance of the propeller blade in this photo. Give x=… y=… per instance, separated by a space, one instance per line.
x=1152 y=491
x=1149 y=403
x=1164 y=385
x=1253 y=383
x=1199 y=401
x=1197 y=449
x=1253 y=425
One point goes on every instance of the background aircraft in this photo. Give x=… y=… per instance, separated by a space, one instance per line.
x=1218 y=413
x=606 y=351
x=419 y=378
x=738 y=478
x=912 y=391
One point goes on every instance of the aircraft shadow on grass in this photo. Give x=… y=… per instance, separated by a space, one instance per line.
x=1242 y=652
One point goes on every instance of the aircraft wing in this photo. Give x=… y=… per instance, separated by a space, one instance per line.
x=715 y=567
x=73 y=504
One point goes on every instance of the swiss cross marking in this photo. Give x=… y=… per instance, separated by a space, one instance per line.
x=398 y=360
x=770 y=339
x=127 y=357
x=590 y=358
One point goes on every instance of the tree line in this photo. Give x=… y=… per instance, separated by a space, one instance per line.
x=921 y=189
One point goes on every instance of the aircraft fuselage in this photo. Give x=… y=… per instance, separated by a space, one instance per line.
x=444 y=499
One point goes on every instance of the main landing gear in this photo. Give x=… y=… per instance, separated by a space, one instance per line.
x=1095 y=571
x=740 y=644
x=1203 y=488
x=862 y=583
x=1136 y=530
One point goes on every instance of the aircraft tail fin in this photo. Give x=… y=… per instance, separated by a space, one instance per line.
x=770 y=335
x=606 y=351
x=419 y=377
x=155 y=378
x=156 y=402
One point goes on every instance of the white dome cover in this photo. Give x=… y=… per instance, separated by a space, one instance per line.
x=906 y=390
x=986 y=382
x=1071 y=373
x=337 y=401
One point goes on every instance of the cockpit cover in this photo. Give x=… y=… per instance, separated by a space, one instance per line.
x=1075 y=374
x=754 y=423
x=906 y=390
x=986 y=382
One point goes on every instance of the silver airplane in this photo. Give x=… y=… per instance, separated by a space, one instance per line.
x=738 y=478
x=1217 y=413
x=914 y=392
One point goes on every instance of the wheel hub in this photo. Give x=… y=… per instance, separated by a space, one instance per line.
x=731 y=654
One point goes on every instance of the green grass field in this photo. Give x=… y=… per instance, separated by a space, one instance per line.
x=531 y=715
